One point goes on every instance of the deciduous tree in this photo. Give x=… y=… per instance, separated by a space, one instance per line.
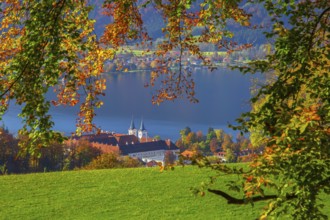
x=8 y=152
x=169 y=158
x=292 y=115
x=49 y=45
x=213 y=145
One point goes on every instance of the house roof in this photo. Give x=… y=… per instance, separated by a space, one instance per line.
x=103 y=138
x=127 y=144
x=122 y=139
x=110 y=139
x=146 y=139
x=147 y=146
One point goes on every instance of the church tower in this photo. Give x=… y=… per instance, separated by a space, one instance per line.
x=132 y=130
x=142 y=131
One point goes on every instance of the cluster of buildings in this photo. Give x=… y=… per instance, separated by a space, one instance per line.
x=135 y=144
x=130 y=62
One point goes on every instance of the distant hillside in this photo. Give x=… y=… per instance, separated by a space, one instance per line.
x=153 y=22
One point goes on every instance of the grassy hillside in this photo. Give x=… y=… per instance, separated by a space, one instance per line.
x=142 y=193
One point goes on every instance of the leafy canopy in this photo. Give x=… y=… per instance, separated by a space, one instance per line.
x=52 y=45
x=290 y=113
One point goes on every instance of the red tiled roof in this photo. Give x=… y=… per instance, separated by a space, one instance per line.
x=109 y=139
x=126 y=139
x=146 y=139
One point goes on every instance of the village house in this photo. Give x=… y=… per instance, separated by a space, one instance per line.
x=150 y=151
x=134 y=144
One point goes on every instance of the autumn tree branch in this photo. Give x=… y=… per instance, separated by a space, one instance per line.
x=26 y=64
x=14 y=82
x=314 y=28
x=233 y=200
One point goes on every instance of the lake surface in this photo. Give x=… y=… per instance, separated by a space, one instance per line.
x=223 y=95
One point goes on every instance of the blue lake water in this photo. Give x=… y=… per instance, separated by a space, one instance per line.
x=223 y=96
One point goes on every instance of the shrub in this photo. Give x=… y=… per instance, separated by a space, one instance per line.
x=113 y=160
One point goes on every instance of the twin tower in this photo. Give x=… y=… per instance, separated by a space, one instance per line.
x=142 y=132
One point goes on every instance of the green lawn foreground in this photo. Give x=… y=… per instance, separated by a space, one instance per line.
x=141 y=193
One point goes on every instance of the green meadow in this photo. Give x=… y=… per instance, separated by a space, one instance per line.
x=140 y=193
